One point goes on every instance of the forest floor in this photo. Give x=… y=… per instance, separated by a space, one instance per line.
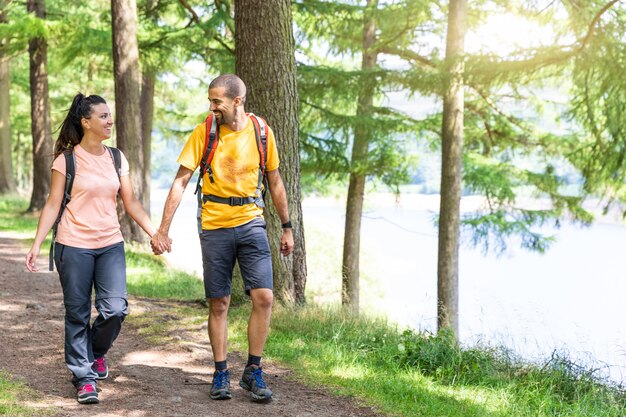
x=144 y=379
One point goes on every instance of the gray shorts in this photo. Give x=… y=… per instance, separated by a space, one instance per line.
x=246 y=244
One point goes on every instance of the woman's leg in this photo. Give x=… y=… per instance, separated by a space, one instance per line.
x=110 y=286
x=75 y=266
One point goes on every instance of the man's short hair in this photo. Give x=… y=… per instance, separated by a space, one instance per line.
x=232 y=84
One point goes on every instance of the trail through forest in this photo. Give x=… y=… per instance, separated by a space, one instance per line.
x=144 y=379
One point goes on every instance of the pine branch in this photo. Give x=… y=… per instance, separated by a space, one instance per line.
x=190 y=9
x=196 y=20
x=408 y=55
x=495 y=108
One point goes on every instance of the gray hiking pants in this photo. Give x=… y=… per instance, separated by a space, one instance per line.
x=80 y=270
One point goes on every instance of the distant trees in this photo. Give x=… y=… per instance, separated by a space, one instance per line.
x=347 y=133
x=7 y=181
x=40 y=111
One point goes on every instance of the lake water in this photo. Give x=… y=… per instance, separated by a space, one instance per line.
x=570 y=299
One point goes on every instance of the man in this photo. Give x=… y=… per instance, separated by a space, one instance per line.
x=232 y=233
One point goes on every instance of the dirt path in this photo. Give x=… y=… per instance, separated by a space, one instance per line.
x=144 y=380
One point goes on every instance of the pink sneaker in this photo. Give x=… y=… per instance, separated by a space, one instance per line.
x=87 y=394
x=100 y=367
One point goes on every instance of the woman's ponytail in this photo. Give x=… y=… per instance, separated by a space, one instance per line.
x=71 y=132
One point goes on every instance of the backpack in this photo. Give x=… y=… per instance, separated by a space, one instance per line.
x=70 y=173
x=210 y=145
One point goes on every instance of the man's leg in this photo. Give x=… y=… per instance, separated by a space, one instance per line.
x=259 y=323
x=218 y=326
x=218 y=261
x=255 y=263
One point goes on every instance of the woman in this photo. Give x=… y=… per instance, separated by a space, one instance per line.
x=89 y=247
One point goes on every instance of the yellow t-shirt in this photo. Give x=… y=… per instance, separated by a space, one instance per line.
x=235 y=172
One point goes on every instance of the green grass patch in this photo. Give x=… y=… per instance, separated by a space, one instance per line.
x=408 y=373
x=149 y=276
x=161 y=326
x=12 y=211
x=14 y=219
x=12 y=397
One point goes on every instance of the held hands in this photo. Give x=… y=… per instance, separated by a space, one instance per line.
x=160 y=243
x=286 y=242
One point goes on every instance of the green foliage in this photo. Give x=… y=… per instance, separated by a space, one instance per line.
x=598 y=103
x=330 y=87
x=505 y=215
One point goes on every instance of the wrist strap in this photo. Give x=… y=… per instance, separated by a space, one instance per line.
x=287 y=225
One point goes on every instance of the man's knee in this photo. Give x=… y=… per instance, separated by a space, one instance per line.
x=262 y=298
x=219 y=306
x=112 y=307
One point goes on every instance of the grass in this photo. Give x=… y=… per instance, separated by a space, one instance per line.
x=400 y=373
x=149 y=276
x=13 y=219
x=12 y=397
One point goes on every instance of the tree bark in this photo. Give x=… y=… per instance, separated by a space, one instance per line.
x=148 y=83
x=7 y=180
x=127 y=107
x=40 y=113
x=452 y=147
x=265 y=61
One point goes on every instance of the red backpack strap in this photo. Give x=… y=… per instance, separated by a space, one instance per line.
x=210 y=145
x=260 y=131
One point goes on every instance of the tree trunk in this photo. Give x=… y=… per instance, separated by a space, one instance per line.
x=127 y=108
x=40 y=113
x=147 y=112
x=452 y=145
x=265 y=61
x=358 y=164
x=7 y=180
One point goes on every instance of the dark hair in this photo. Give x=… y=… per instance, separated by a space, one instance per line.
x=233 y=85
x=71 y=132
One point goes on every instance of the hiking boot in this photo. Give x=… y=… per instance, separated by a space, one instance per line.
x=252 y=380
x=221 y=386
x=100 y=367
x=87 y=394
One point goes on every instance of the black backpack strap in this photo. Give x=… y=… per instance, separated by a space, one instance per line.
x=116 y=155
x=260 y=132
x=70 y=173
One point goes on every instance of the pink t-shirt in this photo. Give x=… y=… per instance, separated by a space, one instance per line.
x=90 y=219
